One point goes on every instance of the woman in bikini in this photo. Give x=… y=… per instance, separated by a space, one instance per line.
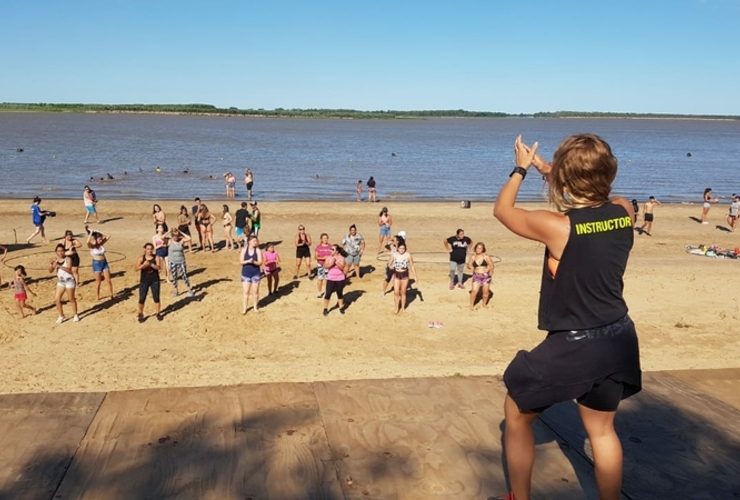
x=159 y=217
x=384 y=223
x=206 y=219
x=95 y=242
x=70 y=250
x=402 y=264
x=228 y=222
x=183 y=226
x=482 y=265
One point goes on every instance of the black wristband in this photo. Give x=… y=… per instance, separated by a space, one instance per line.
x=519 y=170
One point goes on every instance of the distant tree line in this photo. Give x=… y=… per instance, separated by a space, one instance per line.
x=208 y=109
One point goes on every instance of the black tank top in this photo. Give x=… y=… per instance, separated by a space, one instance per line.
x=587 y=290
x=149 y=274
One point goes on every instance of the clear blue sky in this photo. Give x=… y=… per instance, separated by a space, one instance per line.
x=516 y=56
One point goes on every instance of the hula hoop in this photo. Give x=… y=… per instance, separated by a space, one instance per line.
x=31 y=263
x=432 y=257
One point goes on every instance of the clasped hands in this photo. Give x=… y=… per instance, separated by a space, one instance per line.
x=526 y=156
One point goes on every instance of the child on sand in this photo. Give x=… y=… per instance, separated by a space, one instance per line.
x=272 y=268
x=22 y=290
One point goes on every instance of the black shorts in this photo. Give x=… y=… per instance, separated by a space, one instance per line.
x=334 y=286
x=249 y=186
x=144 y=287
x=184 y=229
x=303 y=252
x=388 y=274
x=571 y=365
x=648 y=217
x=75 y=259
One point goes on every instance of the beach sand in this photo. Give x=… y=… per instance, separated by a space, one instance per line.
x=685 y=307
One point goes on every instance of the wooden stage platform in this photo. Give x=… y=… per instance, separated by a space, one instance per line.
x=433 y=438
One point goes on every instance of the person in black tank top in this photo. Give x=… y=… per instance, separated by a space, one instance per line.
x=590 y=353
x=149 y=266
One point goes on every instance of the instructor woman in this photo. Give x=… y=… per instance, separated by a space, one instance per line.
x=590 y=352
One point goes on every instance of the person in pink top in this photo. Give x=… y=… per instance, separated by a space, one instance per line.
x=323 y=251
x=271 y=267
x=336 y=277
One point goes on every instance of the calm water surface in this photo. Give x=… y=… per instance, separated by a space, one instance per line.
x=305 y=159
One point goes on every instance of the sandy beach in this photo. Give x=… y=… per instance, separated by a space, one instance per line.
x=684 y=306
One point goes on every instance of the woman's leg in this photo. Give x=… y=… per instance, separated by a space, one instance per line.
x=256 y=295
x=607 y=451
x=704 y=212
x=58 y=300
x=404 y=286
x=276 y=282
x=106 y=273
x=298 y=261
x=486 y=294
x=72 y=300
x=474 y=294
x=519 y=448
x=245 y=296
x=173 y=274
x=98 y=281
x=21 y=305
x=397 y=294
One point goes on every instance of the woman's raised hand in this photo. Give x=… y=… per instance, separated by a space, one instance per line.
x=524 y=154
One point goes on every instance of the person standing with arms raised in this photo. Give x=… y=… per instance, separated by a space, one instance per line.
x=591 y=351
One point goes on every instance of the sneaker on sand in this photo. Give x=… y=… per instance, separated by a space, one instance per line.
x=705 y=222
x=60 y=319
x=140 y=318
x=175 y=293
x=438 y=324
x=76 y=319
x=159 y=317
x=191 y=293
x=461 y=286
x=430 y=324
x=452 y=286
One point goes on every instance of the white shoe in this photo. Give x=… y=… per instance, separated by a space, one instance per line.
x=705 y=222
x=60 y=319
x=76 y=319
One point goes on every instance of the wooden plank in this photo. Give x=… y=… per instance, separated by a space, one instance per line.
x=722 y=384
x=39 y=434
x=434 y=438
x=242 y=442
x=678 y=442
